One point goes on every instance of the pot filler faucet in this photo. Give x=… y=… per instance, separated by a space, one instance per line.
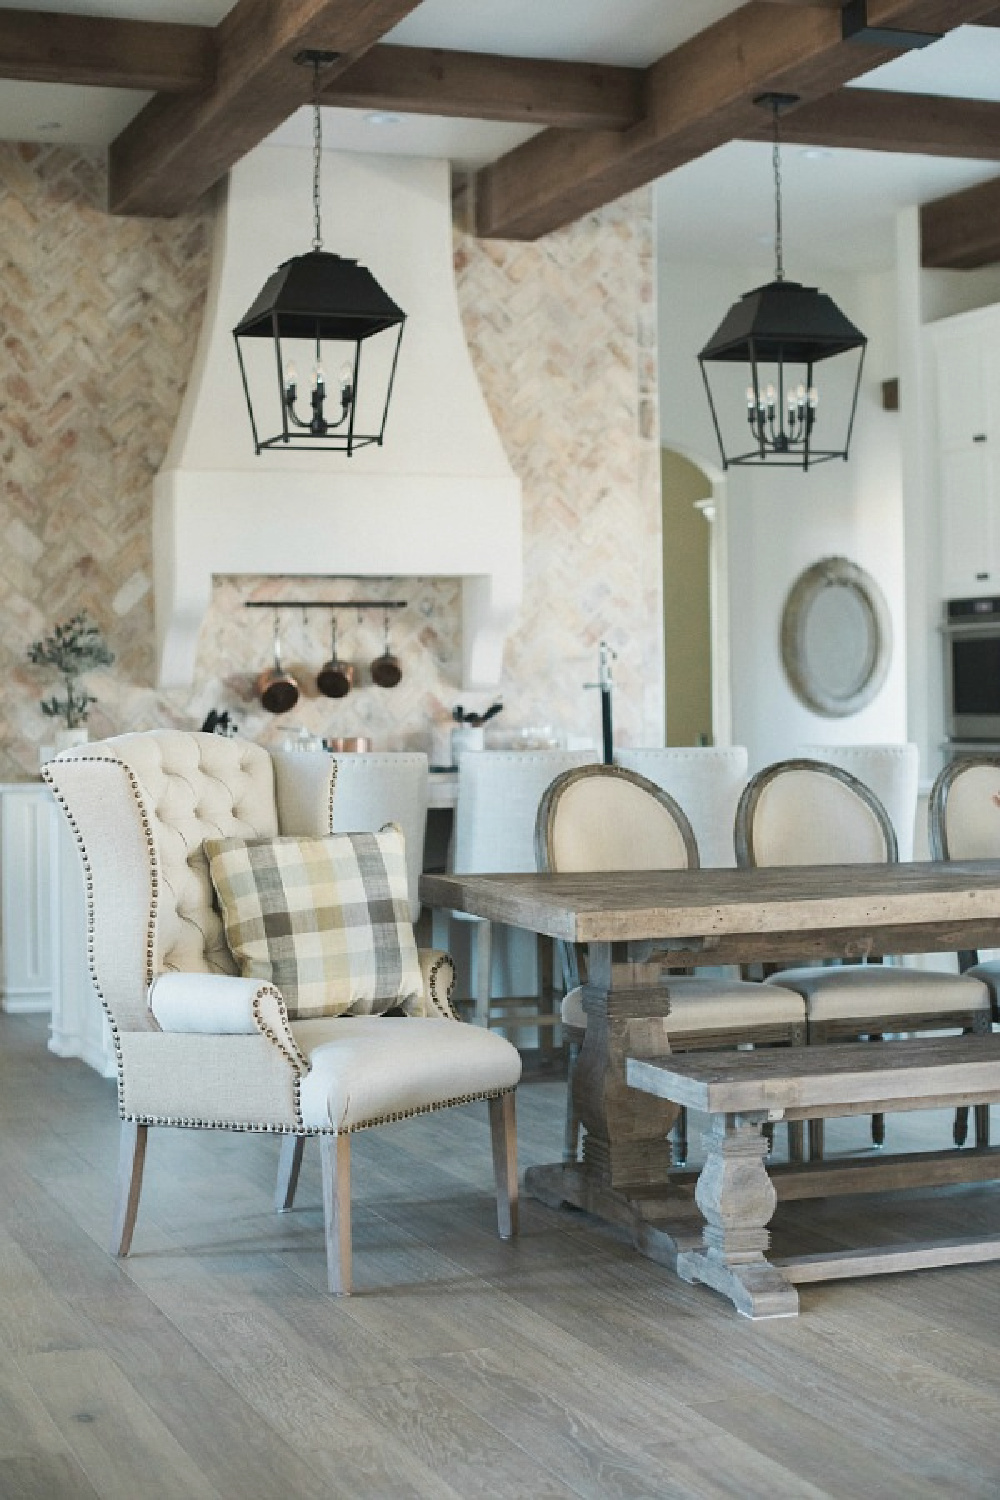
x=605 y=657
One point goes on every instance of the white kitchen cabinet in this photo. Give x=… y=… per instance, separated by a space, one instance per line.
x=44 y=926
x=966 y=362
x=28 y=917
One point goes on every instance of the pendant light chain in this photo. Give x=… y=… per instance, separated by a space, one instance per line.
x=317 y=157
x=779 y=272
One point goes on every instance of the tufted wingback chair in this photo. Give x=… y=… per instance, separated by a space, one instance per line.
x=196 y=1045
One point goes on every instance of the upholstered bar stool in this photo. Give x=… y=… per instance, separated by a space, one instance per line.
x=890 y=771
x=804 y=812
x=498 y=796
x=303 y=1006
x=707 y=782
x=610 y=818
x=379 y=787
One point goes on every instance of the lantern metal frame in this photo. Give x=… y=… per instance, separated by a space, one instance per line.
x=783 y=324
x=320 y=298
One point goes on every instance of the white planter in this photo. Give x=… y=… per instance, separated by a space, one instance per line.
x=65 y=739
x=466 y=739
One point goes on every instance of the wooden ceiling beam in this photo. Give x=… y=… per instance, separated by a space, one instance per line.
x=50 y=47
x=876 y=120
x=698 y=97
x=962 y=230
x=179 y=145
x=480 y=86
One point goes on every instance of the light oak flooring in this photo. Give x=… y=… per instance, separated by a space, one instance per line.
x=212 y=1363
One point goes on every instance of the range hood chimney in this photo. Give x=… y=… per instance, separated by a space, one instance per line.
x=438 y=499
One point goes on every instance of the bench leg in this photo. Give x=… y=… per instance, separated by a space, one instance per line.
x=737 y=1199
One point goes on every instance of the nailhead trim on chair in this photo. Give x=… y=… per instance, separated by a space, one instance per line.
x=443 y=1003
x=395 y=1115
x=298 y=1063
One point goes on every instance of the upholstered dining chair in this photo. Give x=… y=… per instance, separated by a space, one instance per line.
x=963 y=822
x=609 y=818
x=707 y=781
x=803 y=812
x=204 y=1042
x=494 y=833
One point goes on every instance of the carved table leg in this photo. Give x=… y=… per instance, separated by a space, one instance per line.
x=737 y=1199
x=626 y=1146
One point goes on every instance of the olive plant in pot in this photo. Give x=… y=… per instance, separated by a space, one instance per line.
x=76 y=646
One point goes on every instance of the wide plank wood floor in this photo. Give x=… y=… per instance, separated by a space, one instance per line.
x=212 y=1363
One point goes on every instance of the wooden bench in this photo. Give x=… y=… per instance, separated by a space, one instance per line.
x=743 y=1091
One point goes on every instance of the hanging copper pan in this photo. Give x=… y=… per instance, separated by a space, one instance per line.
x=387 y=670
x=335 y=678
x=277 y=689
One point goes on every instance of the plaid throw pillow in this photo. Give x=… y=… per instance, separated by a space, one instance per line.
x=327 y=920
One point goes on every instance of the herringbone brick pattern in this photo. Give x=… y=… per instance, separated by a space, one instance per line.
x=98 y=322
x=99 y=316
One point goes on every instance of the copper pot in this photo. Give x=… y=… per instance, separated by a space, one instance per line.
x=357 y=742
x=387 y=671
x=335 y=678
x=277 y=689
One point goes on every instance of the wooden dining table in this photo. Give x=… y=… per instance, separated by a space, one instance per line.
x=635 y=924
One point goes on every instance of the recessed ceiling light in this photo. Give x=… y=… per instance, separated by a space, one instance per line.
x=817 y=153
x=381 y=117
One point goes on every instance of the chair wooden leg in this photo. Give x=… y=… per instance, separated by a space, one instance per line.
x=960 y=1126
x=335 y=1157
x=982 y=1124
x=484 y=966
x=815 y=1139
x=571 y=1138
x=131 y=1160
x=503 y=1133
x=289 y=1165
x=680 y=1154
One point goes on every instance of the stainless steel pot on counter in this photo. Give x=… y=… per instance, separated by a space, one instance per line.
x=355 y=742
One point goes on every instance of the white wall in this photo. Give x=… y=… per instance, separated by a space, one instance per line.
x=780 y=521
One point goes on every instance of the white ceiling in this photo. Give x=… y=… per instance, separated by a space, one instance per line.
x=839 y=206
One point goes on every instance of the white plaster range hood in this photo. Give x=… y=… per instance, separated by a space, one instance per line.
x=439 y=499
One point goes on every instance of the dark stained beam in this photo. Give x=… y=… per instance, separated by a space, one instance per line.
x=876 y=120
x=474 y=85
x=698 y=97
x=50 y=47
x=178 y=146
x=962 y=231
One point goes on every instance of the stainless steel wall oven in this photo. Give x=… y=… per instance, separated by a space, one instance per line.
x=972 y=669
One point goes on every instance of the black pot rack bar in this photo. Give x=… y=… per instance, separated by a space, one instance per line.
x=324 y=604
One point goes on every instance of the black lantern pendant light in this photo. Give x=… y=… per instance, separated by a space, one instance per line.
x=781 y=332
x=322 y=310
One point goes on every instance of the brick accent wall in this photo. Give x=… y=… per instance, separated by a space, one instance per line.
x=99 y=318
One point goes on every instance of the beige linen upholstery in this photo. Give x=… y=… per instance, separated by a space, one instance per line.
x=199 y=1046
x=804 y=811
x=610 y=818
